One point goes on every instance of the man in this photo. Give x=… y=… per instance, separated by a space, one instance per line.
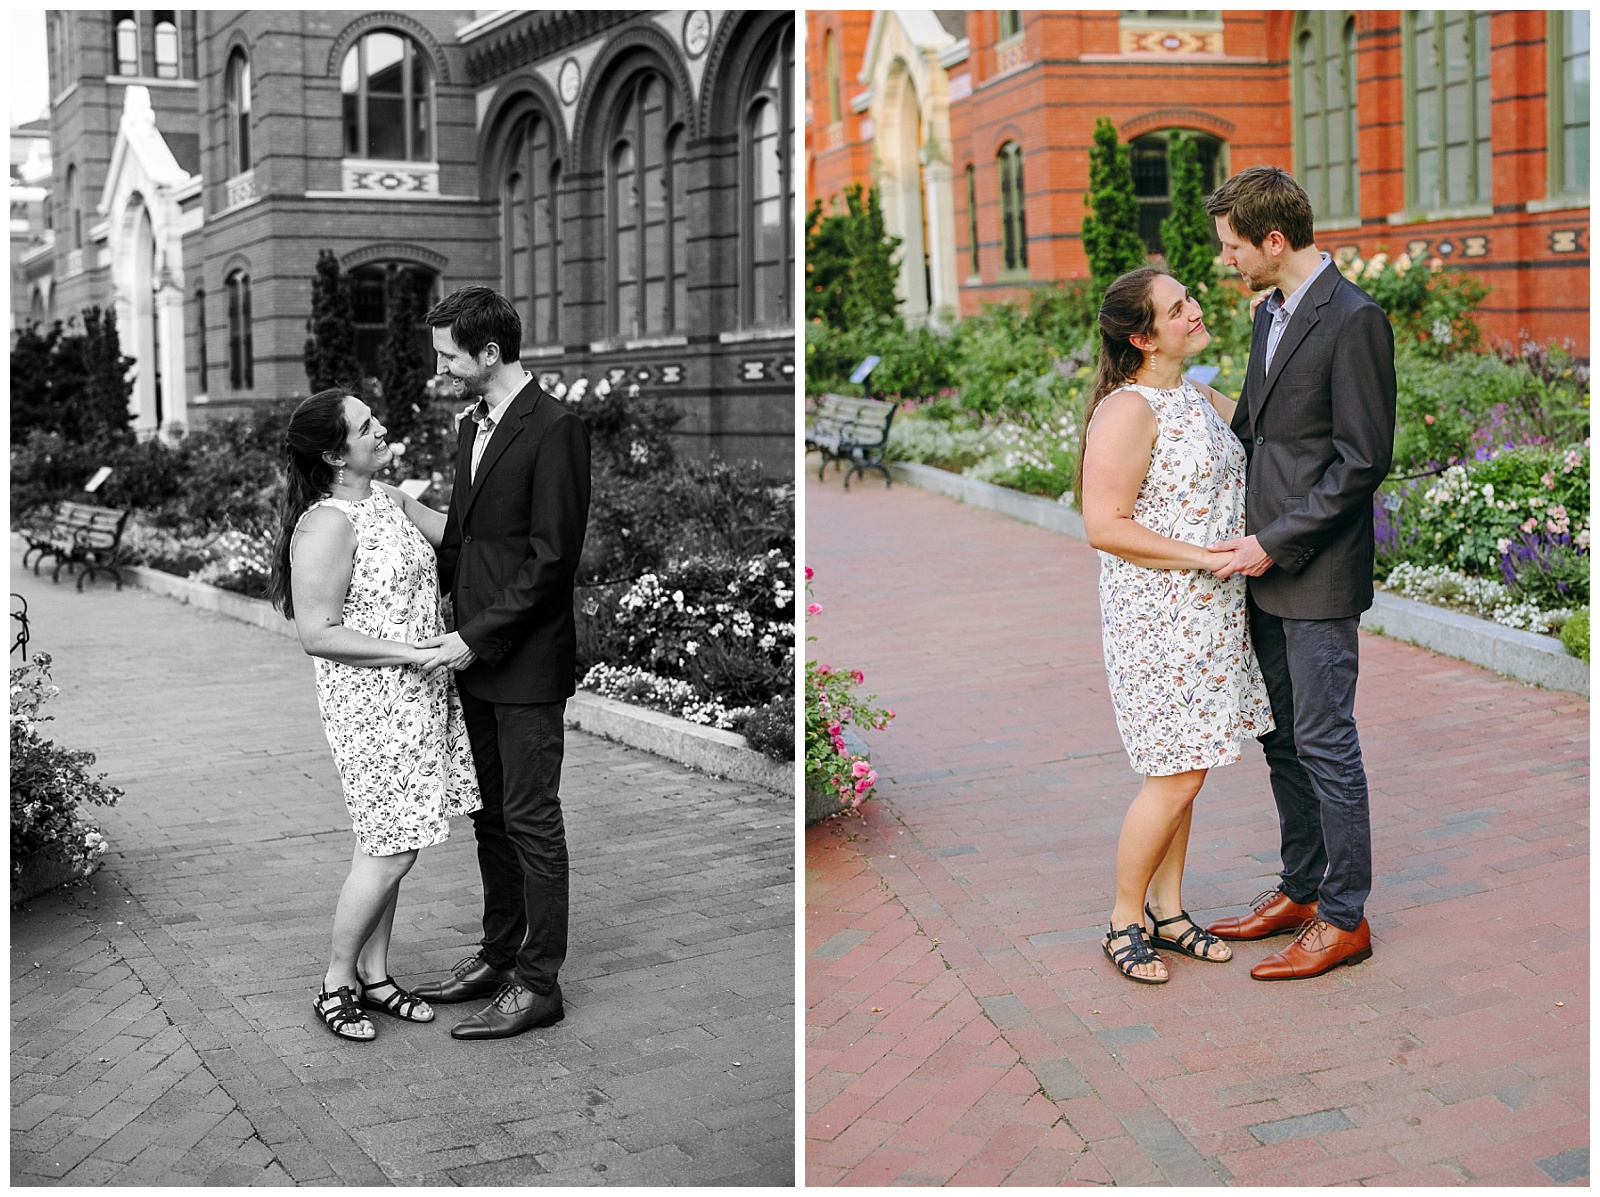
x=1316 y=416
x=508 y=558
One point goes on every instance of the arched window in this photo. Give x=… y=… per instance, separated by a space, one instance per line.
x=166 y=45
x=126 y=27
x=649 y=226
x=241 y=352
x=369 y=308
x=74 y=209
x=830 y=53
x=1013 y=209
x=1448 y=108
x=200 y=328
x=387 y=84
x=972 y=221
x=239 y=159
x=1325 y=103
x=770 y=122
x=532 y=230
x=1152 y=184
x=1567 y=49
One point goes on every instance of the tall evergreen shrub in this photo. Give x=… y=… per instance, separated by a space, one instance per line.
x=402 y=365
x=330 y=352
x=1186 y=232
x=1111 y=229
x=850 y=271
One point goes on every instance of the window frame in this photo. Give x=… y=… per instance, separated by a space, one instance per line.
x=1013 y=211
x=1004 y=36
x=124 y=67
x=1479 y=201
x=627 y=127
x=1555 y=57
x=413 y=52
x=972 y=223
x=167 y=18
x=830 y=58
x=238 y=85
x=1318 y=24
x=782 y=99
x=521 y=163
x=241 y=345
x=201 y=362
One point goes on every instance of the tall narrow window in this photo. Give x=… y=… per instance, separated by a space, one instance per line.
x=1013 y=209
x=830 y=55
x=1568 y=51
x=241 y=352
x=387 y=88
x=532 y=267
x=1010 y=23
x=166 y=45
x=972 y=221
x=1152 y=183
x=74 y=208
x=239 y=159
x=649 y=235
x=200 y=323
x=770 y=121
x=126 y=28
x=1325 y=103
x=1449 y=108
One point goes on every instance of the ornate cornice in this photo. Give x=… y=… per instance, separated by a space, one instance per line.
x=539 y=35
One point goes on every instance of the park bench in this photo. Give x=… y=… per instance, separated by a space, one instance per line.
x=852 y=430
x=78 y=534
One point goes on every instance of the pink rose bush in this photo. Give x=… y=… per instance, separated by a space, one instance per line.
x=832 y=704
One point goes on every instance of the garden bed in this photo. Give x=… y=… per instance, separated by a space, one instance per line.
x=1527 y=656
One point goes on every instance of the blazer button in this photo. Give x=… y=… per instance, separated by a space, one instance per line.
x=467 y=539
x=1260 y=440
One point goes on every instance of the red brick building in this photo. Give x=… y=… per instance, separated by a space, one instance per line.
x=1457 y=135
x=626 y=178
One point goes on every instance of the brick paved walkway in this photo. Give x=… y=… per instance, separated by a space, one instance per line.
x=161 y=1026
x=962 y=1024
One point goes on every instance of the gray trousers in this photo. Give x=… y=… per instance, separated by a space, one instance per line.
x=1314 y=756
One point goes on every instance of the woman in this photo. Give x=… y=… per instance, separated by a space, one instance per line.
x=354 y=568
x=1162 y=477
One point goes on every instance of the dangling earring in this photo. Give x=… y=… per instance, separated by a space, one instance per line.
x=339 y=481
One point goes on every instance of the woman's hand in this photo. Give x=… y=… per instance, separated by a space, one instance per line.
x=1217 y=562
x=1257 y=300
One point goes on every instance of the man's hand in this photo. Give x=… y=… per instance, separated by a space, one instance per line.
x=449 y=649
x=1249 y=558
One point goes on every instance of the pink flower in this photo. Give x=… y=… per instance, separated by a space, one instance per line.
x=834 y=729
x=861 y=768
x=1427 y=419
x=824 y=670
x=890 y=712
x=808 y=573
x=857 y=676
x=838 y=745
x=1549 y=480
x=864 y=785
x=813 y=608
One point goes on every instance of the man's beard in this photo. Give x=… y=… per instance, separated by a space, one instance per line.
x=475 y=387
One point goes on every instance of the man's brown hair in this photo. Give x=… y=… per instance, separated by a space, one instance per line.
x=1260 y=199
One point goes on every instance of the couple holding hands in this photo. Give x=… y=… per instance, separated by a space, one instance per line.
x=427 y=722
x=1236 y=548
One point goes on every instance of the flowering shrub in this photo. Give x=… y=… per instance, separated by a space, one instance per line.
x=48 y=781
x=1446 y=587
x=628 y=683
x=1431 y=308
x=1037 y=455
x=832 y=704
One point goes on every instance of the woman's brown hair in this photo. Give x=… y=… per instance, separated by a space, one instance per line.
x=1127 y=311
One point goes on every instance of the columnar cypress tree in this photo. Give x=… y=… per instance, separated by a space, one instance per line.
x=107 y=387
x=850 y=271
x=1111 y=230
x=330 y=351
x=402 y=365
x=1186 y=232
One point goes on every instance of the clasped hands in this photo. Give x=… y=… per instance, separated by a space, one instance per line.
x=447 y=650
x=1241 y=555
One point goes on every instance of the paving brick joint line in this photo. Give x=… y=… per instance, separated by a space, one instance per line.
x=962 y=1026
x=162 y=1030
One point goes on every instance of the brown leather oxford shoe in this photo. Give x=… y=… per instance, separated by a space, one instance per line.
x=1274 y=914
x=1319 y=947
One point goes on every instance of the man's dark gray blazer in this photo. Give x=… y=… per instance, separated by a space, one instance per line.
x=510 y=550
x=1318 y=430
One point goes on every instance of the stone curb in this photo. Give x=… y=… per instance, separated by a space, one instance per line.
x=1525 y=656
x=719 y=753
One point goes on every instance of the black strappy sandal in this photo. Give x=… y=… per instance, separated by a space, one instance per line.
x=1187 y=940
x=346 y=1013
x=1135 y=953
x=402 y=1003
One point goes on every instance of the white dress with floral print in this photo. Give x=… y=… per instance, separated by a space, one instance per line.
x=1184 y=678
x=398 y=735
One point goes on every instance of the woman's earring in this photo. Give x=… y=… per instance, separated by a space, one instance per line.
x=339 y=481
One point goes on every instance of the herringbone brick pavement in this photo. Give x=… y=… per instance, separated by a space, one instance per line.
x=162 y=1030
x=962 y=1023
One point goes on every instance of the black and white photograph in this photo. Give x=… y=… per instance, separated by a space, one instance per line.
x=404 y=597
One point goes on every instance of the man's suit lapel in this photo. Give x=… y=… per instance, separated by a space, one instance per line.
x=1305 y=318
x=510 y=427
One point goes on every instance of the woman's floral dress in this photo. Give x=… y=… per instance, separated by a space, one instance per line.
x=1184 y=678
x=398 y=735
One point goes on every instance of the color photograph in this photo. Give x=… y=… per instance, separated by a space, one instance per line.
x=1196 y=516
